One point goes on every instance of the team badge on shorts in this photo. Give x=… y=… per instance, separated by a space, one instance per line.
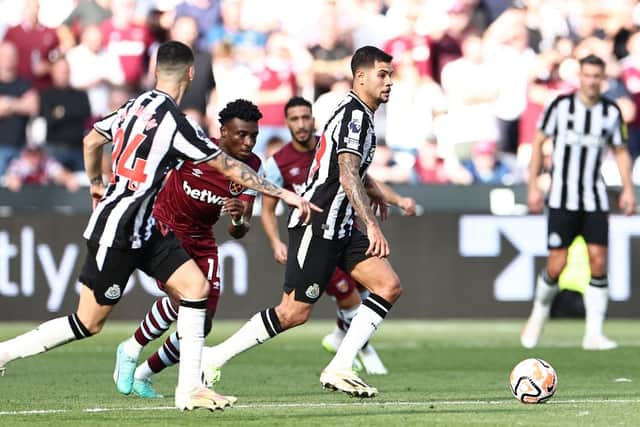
x=113 y=292
x=554 y=240
x=313 y=291
x=236 y=189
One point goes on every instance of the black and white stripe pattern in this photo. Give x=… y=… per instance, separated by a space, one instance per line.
x=349 y=130
x=79 y=330
x=378 y=305
x=580 y=137
x=271 y=321
x=599 y=282
x=151 y=136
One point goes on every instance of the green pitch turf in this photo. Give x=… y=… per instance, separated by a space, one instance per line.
x=442 y=373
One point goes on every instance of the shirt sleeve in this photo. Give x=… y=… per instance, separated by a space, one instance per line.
x=272 y=172
x=620 y=133
x=192 y=142
x=353 y=132
x=547 y=123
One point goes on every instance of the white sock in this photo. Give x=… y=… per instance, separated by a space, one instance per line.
x=546 y=290
x=595 y=306
x=347 y=315
x=45 y=337
x=143 y=371
x=132 y=347
x=370 y=314
x=261 y=327
x=191 y=334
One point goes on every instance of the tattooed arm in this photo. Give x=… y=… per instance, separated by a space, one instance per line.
x=243 y=174
x=349 y=165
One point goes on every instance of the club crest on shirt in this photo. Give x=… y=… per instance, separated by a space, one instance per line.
x=236 y=189
x=294 y=171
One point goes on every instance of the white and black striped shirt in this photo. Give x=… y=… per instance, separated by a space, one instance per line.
x=150 y=137
x=580 y=137
x=349 y=130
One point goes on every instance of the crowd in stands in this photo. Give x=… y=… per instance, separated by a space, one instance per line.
x=471 y=76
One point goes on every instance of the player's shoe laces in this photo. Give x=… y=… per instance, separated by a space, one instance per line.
x=331 y=343
x=124 y=370
x=144 y=388
x=347 y=382
x=531 y=332
x=371 y=361
x=202 y=397
x=598 y=342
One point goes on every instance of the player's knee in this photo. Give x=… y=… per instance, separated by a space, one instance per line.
x=394 y=289
x=598 y=267
x=93 y=326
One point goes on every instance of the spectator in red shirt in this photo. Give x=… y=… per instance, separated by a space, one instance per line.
x=35 y=167
x=430 y=167
x=128 y=40
x=37 y=46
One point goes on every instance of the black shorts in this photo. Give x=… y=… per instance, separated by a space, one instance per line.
x=311 y=261
x=106 y=270
x=564 y=226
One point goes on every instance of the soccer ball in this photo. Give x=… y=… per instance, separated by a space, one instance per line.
x=533 y=381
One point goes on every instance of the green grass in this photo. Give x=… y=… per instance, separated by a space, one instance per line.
x=442 y=373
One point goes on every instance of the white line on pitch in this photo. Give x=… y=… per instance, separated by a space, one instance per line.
x=326 y=405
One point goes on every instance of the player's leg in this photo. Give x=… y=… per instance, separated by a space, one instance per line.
x=377 y=275
x=342 y=289
x=155 y=323
x=596 y=297
x=310 y=259
x=105 y=273
x=562 y=229
x=168 y=262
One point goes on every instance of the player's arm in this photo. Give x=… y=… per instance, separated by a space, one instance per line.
x=268 y=216
x=349 y=167
x=92 y=150
x=242 y=174
x=240 y=213
x=627 y=200
x=380 y=189
x=535 y=199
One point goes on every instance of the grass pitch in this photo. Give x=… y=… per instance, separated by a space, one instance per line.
x=442 y=373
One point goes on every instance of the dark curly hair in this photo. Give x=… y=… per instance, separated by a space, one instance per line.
x=239 y=109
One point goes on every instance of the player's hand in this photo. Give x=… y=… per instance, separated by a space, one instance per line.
x=535 y=201
x=279 y=252
x=378 y=245
x=96 y=191
x=627 y=202
x=305 y=206
x=407 y=205
x=233 y=207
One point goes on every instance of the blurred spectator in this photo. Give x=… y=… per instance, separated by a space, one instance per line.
x=332 y=54
x=96 y=80
x=18 y=101
x=196 y=98
x=35 y=167
x=67 y=112
x=274 y=144
x=470 y=115
x=37 y=46
x=239 y=82
x=631 y=79
x=326 y=103
x=85 y=13
x=485 y=166
x=246 y=42
x=126 y=39
x=207 y=16
x=277 y=84
x=429 y=167
x=372 y=26
x=410 y=43
x=415 y=102
x=385 y=169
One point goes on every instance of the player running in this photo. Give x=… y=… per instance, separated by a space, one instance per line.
x=190 y=203
x=337 y=182
x=288 y=168
x=150 y=136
